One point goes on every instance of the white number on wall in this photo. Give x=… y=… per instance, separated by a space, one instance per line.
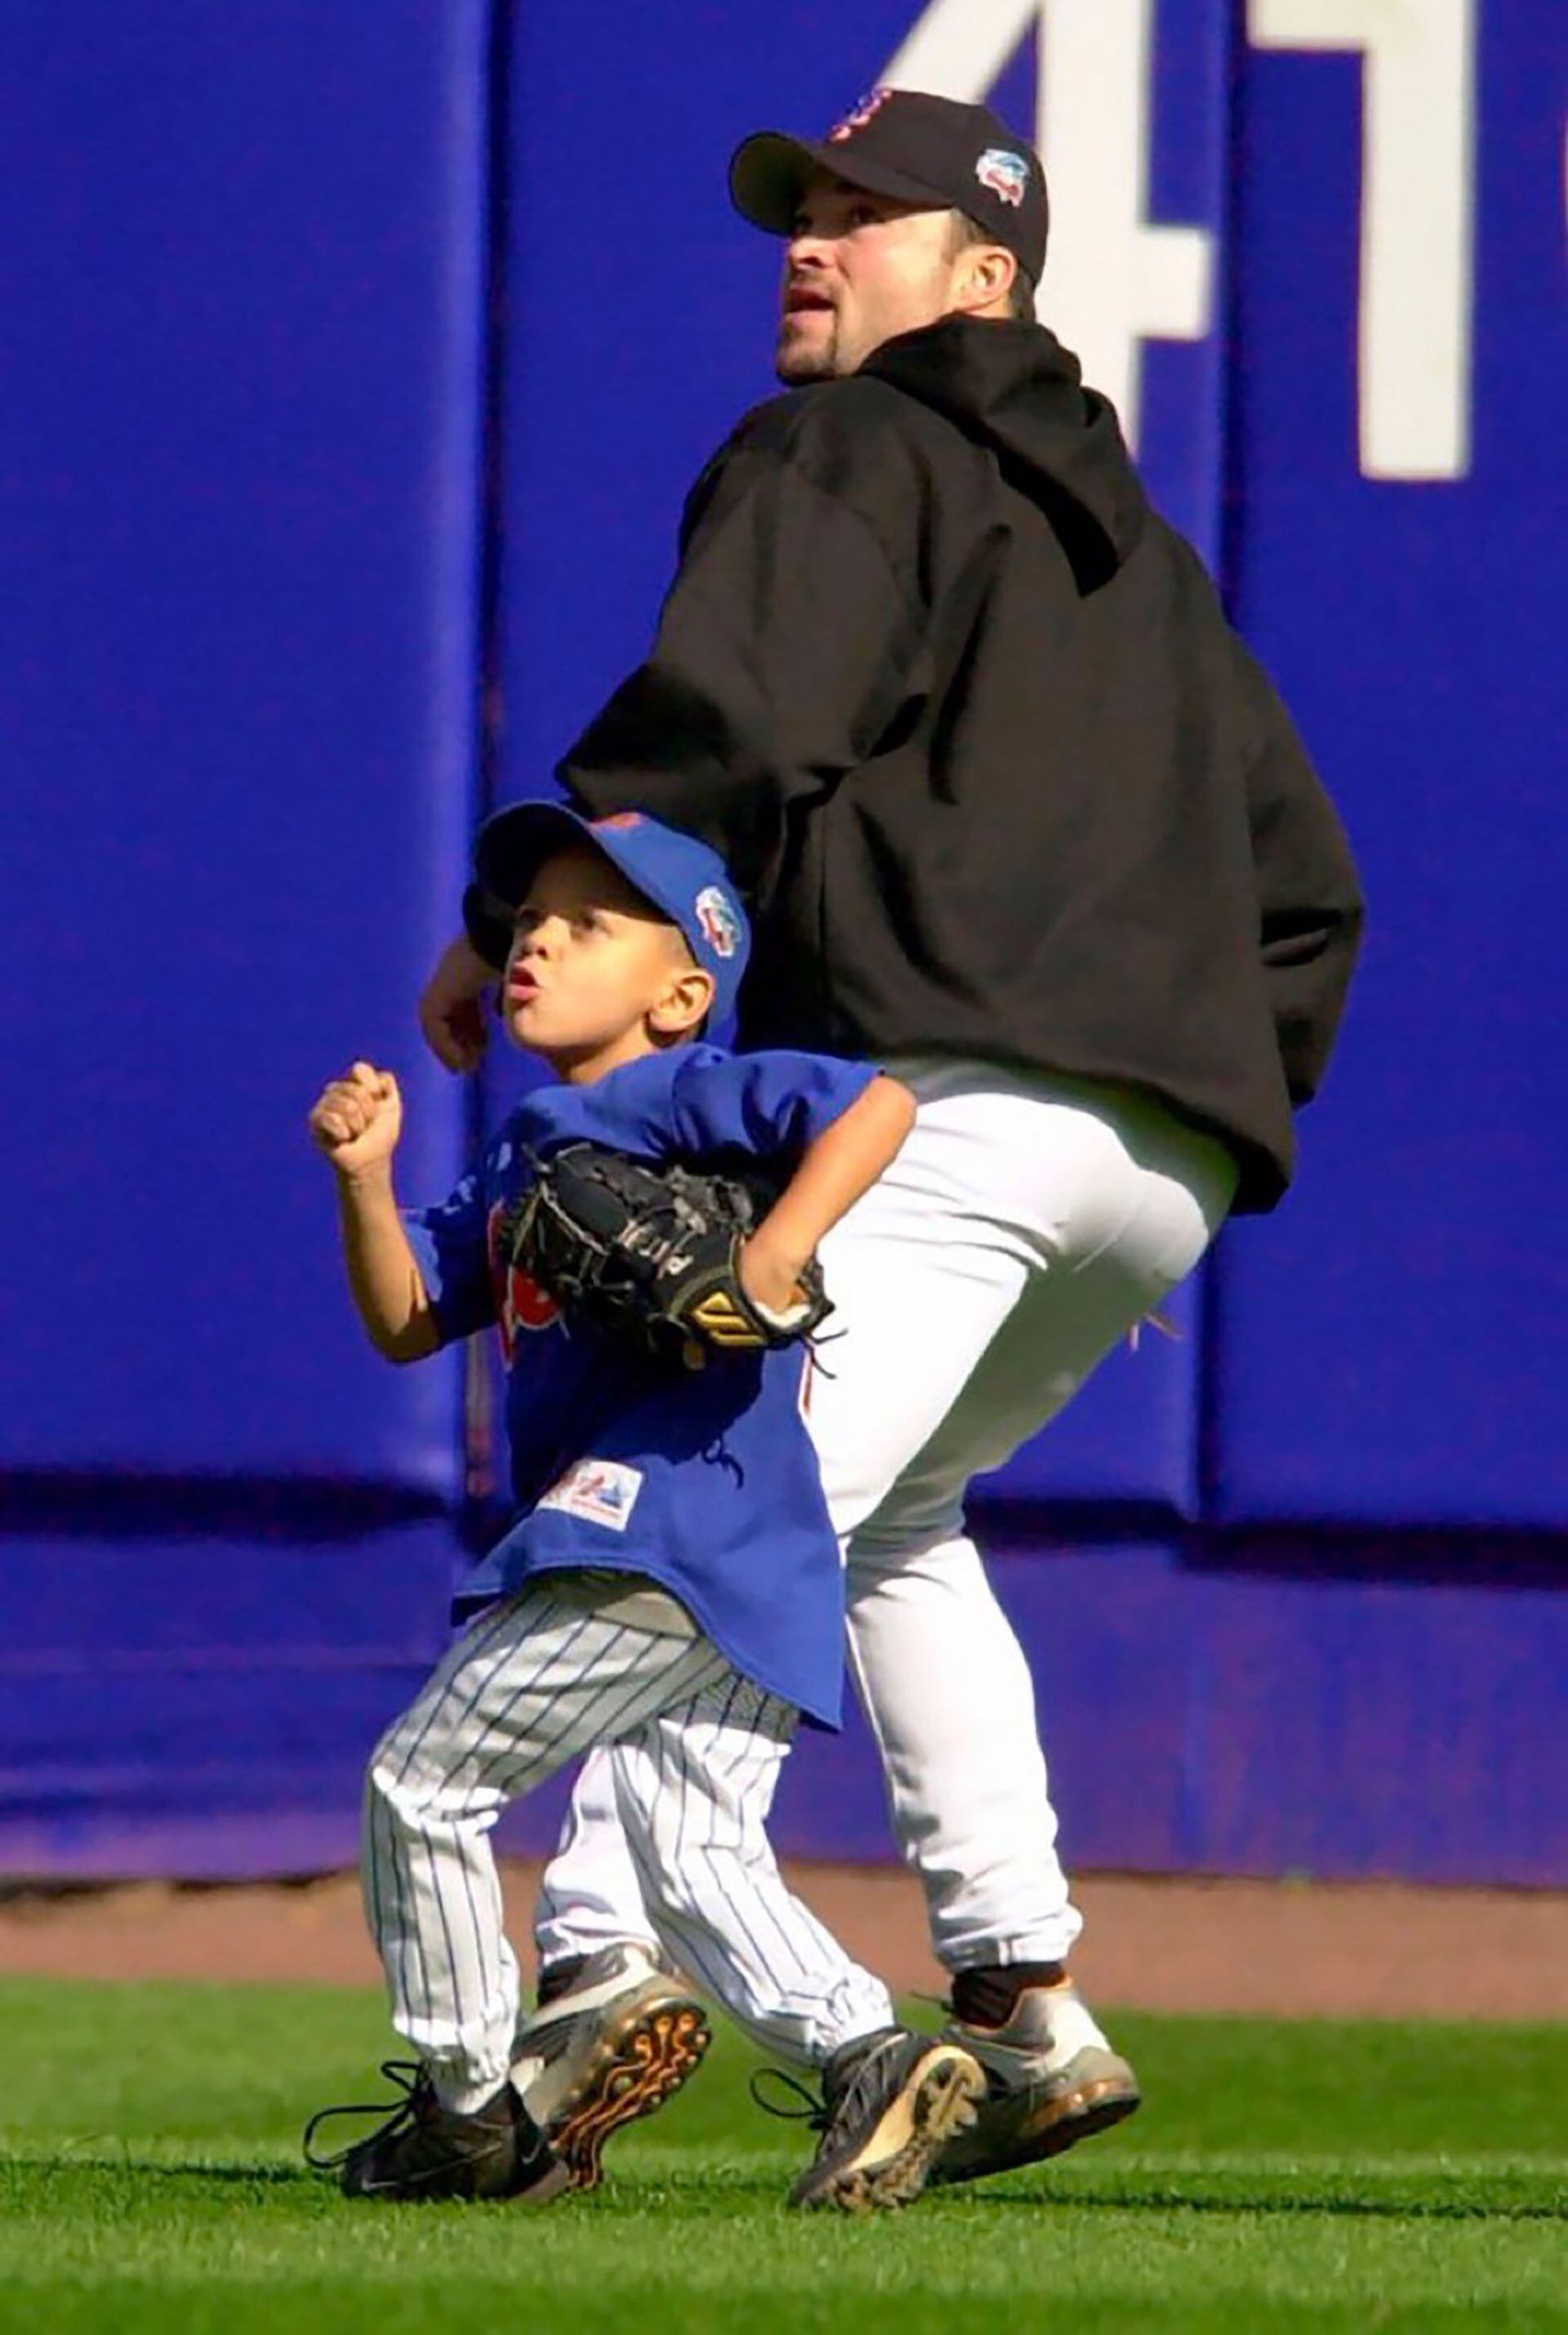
x=1418 y=215
x=1115 y=278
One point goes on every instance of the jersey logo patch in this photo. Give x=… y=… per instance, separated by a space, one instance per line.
x=1005 y=173
x=604 y=1491
x=520 y=1303
x=860 y=113
x=717 y=917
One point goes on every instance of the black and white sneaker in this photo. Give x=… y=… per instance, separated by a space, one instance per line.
x=890 y=2102
x=423 y=2151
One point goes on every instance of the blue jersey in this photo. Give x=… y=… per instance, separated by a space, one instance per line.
x=706 y=1480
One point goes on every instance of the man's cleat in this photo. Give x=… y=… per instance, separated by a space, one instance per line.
x=612 y=2044
x=889 y=2103
x=423 y=2151
x=1052 y=2080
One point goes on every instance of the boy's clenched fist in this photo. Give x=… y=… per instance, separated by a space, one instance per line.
x=358 y=1118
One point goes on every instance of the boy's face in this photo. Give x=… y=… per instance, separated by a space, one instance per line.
x=595 y=975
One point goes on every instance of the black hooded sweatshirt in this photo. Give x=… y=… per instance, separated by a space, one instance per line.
x=965 y=719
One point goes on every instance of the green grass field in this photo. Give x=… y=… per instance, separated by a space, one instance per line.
x=1281 y=2176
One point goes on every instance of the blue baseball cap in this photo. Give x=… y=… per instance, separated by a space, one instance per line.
x=684 y=878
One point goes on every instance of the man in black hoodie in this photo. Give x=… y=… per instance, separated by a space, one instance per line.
x=1020 y=816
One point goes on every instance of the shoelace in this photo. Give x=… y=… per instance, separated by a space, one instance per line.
x=822 y=2114
x=412 y=2082
x=816 y=2111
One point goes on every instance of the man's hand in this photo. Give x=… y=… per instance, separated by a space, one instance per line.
x=358 y=1118
x=451 y=1009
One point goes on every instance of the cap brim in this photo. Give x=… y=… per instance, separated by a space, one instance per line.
x=514 y=845
x=768 y=173
x=511 y=848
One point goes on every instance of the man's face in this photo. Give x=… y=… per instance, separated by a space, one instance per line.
x=857 y=269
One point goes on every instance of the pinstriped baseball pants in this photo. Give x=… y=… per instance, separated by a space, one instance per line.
x=694 y=1752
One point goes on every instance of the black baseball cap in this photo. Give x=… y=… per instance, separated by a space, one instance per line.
x=914 y=148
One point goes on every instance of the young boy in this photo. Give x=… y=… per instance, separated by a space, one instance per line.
x=670 y=1585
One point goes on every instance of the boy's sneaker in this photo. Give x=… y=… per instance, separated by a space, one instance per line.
x=617 y=2036
x=889 y=2103
x=1053 y=2081
x=425 y=2151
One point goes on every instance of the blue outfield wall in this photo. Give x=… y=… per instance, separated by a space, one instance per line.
x=1397 y=1354
x=239 y=410
x=1295 y=1586
x=237 y=415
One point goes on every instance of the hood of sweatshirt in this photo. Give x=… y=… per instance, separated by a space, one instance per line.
x=1015 y=389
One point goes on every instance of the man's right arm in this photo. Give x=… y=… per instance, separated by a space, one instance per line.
x=784 y=649
x=787 y=644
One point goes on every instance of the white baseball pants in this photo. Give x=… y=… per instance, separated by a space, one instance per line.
x=690 y=1759
x=1027 y=1226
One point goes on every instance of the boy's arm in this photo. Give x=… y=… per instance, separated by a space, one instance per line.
x=357 y=1121
x=843 y=1161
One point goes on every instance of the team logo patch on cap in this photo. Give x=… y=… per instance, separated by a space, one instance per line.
x=604 y=1491
x=1005 y=173
x=862 y=110
x=721 y=926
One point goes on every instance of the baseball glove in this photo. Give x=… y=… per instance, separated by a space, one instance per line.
x=651 y=1255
